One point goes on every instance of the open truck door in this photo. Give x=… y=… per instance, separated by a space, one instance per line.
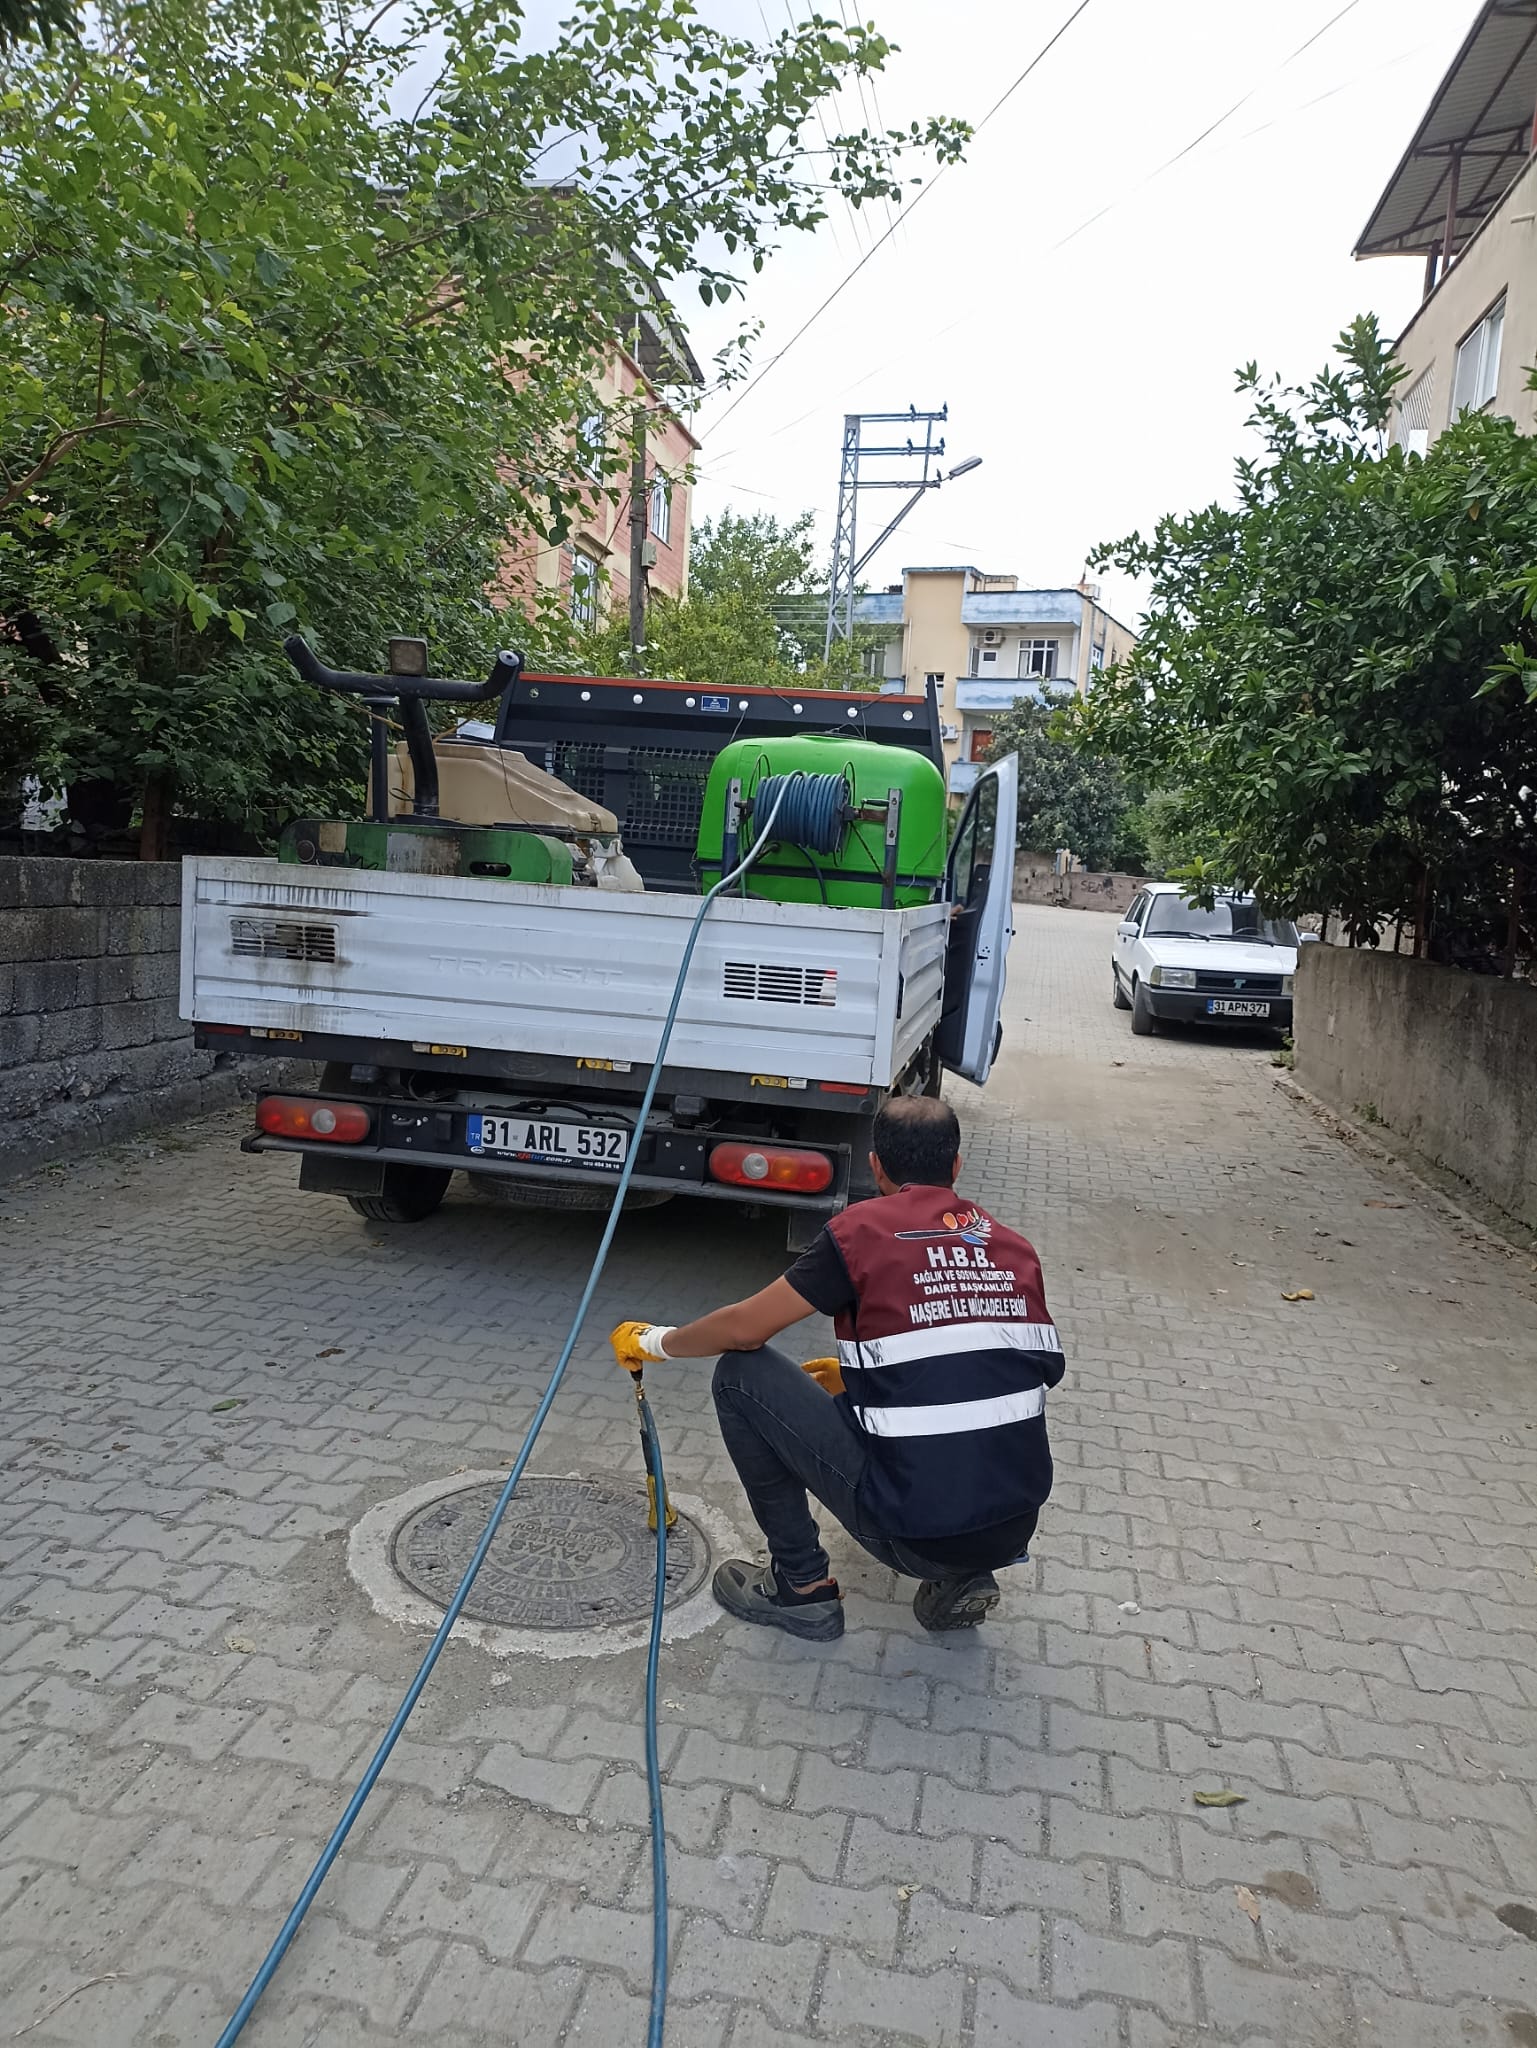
x=980 y=891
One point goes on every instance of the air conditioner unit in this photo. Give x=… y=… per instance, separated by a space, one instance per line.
x=992 y=637
x=949 y=733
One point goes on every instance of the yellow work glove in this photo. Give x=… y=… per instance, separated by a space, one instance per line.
x=827 y=1373
x=637 y=1344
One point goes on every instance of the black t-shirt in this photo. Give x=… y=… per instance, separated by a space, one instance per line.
x=820 y=1277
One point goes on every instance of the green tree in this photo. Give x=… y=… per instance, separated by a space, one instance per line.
x=1161 y=824
x=755 y=613
x=285 y=346
x=23 y=21
x=1067 y=797
x=1339 y=671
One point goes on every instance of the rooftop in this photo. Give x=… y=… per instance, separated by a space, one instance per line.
x=1475 y=137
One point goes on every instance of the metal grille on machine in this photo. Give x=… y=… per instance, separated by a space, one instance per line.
x=281 y=938
x=757 y=981
x=579 y=765
x=664 y=789
x=666 y=795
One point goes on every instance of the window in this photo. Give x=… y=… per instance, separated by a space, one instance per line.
x=584 y=590
x=981 y=742
x=1038 y=658
x=592 y=444
x=661 y=509
x=971 y=861
x=1478 y=363
x=1097 y=654
x=1230 y=917
x=1411 y=427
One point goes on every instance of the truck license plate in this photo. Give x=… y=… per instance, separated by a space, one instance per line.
x=547 y=1144
x=1226 y=1006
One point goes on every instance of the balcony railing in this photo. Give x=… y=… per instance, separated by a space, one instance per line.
x=999 y=693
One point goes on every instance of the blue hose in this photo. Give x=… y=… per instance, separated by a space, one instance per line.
x=812 y=808
x=658 y=2017
x=392 y=1734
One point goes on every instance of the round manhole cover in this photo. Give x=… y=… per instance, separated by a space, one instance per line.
x=571 y=1553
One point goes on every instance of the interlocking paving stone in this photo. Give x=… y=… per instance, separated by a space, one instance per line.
x=1325 y=1512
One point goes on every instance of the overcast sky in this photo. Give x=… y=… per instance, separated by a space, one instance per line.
x=1091 y=370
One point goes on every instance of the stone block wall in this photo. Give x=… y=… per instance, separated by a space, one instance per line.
x=1035 y=882
x=92 y=1047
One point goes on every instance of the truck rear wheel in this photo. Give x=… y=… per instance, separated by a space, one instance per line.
x=410 y=1195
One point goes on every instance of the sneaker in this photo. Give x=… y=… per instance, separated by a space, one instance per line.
x=956 y=1603
x=752 y=1593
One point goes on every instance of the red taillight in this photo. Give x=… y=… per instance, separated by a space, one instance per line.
x=300 y=1116
x=772 y=1166
x=843 y=1087
x=223 y=1030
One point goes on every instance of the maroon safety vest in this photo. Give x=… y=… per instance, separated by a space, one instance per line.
x=946 y=1358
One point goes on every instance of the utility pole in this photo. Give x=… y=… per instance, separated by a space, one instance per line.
x=639 y=507
x=918 y=460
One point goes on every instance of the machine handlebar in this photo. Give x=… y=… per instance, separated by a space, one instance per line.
x=505 y=671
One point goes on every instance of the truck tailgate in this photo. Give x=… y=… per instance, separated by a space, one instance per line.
x=790 y=989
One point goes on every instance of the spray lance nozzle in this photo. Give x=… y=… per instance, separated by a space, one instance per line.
x=648 y=1455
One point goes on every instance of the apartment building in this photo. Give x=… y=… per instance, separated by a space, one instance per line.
x=591 y=569
x=989 y=643
x=1464 y=201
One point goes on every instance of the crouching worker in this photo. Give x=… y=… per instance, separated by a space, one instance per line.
x=926 y=1436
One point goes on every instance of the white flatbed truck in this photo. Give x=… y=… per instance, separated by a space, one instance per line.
x=506 y=1029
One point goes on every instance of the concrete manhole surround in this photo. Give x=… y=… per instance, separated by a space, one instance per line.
x=570 y=1553
x=573 y=1555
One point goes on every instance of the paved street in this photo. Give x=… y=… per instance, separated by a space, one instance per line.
x=1292 y=1554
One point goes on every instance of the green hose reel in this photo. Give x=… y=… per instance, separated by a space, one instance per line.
x=889 y=851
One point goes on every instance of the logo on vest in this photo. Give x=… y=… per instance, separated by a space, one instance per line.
x=973 y=1226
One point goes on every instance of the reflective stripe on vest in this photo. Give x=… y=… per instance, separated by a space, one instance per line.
x=940 y=1340
x=947 y=1349
x=950 y=1418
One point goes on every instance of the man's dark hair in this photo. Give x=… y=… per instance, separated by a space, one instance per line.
x=916 y=1139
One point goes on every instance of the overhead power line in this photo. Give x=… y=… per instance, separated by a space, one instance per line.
x=1212 y=126
x=1093 y=220
x=849 y=276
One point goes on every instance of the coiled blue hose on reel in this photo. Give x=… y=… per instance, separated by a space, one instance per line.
x=787 y=791
x=804 y=810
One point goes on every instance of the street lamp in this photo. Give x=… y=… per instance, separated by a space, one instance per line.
x=961 y=469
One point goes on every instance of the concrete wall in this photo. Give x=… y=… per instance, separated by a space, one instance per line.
x=1444 y=1061
x=91 y=1046
x=935 y=641
x=1501 y=257
x=1034 y=882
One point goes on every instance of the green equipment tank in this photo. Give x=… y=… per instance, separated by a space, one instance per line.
x=886 y=842
x=403 y=846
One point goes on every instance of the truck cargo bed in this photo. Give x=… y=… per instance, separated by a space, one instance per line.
x=837 y=995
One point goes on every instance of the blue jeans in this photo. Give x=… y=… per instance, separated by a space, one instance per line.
x=785 y=1434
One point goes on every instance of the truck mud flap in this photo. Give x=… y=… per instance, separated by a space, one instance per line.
x=320 y=1174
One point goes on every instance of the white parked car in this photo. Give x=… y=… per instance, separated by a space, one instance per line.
x=1228 y=965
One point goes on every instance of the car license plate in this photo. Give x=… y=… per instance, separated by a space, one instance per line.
x=1229 y=1006
x=547 y=1144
